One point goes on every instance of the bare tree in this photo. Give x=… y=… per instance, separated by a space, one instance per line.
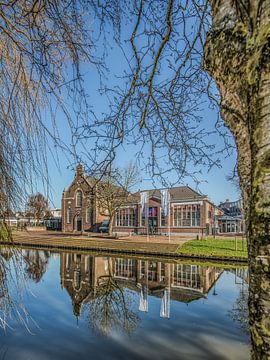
x=158 y=106
x=42 y=46
x=38 y=204
x=114 y=191
x=171 y=44
x=110 y=308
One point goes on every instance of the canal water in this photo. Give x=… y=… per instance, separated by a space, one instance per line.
x=71 y=305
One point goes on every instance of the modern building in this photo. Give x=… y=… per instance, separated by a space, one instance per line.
x=232 y=220
x=189 y=211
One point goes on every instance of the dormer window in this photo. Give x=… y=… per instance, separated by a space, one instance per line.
x=79 y=198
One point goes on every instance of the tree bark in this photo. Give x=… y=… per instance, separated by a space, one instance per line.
x=111 y=224
x=237 y=56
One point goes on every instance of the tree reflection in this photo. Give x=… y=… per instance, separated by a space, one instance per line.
x=240 y=311
x=110 y=308
x=36 y=263
x=12 y=289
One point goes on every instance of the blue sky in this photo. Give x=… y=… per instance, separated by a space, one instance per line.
x=212 y=183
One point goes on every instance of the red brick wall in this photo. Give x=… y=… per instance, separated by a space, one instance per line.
x=69 y=200
x=164 y=229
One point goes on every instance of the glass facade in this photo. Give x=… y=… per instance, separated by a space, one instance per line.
x=186 y=215
x=186 y=276
x=125 y=268
x=125 y=217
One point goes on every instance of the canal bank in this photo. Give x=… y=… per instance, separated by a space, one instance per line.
x=83 y=304
x=143 y=246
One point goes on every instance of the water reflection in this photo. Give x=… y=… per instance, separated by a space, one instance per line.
x=36 y=263
x=12 y=289
x=240 y=312
x=101 y=280
x=168 y=309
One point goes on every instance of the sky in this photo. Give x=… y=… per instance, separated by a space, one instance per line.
x=212 y=183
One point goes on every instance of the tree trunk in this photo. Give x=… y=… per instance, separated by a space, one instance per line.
x=237 y=56
x=111 y=225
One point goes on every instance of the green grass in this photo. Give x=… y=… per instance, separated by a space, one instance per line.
x=5 y=234
x=215 y=247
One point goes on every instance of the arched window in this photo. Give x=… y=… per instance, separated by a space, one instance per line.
x=69 y=215
x=79 y=198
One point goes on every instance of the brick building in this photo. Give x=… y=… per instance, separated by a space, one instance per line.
x=189 y=211
x=83 y=274
x=79 y=209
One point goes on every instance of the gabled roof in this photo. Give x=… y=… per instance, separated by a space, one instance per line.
x=178 y=193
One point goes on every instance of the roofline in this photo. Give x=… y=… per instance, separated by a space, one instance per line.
x=172 y=187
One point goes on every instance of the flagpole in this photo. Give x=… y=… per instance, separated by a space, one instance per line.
x=169 y=220
x=146 y=220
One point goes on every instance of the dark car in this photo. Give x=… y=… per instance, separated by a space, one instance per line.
x=104 y=227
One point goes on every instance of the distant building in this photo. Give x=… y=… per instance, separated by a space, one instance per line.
x=232 y=221
x=189 y=211
x=56 y=213
x=232 y=208
x=54 y=221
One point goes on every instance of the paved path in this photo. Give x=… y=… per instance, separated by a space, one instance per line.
x=68 y=241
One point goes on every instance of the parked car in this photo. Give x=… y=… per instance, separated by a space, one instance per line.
x=104 y=227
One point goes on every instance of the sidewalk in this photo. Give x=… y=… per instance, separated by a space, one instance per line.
x=137 y=244
x=158 y=246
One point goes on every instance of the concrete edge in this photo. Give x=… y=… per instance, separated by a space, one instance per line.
x=127 y=251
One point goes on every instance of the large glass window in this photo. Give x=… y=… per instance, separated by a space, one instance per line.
x=162 y=218
x=186 y=276
x=186 y=215
x=143 y=219
x=152 y=270
x=125 y=217
x=79 y=198
x=125 y=268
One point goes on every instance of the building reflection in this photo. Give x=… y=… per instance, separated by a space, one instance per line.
x=82 y=275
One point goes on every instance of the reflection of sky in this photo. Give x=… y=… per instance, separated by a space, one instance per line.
x=199 y=330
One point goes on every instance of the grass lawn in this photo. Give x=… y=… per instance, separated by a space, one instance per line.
x=215 y=247
x=5 y=234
